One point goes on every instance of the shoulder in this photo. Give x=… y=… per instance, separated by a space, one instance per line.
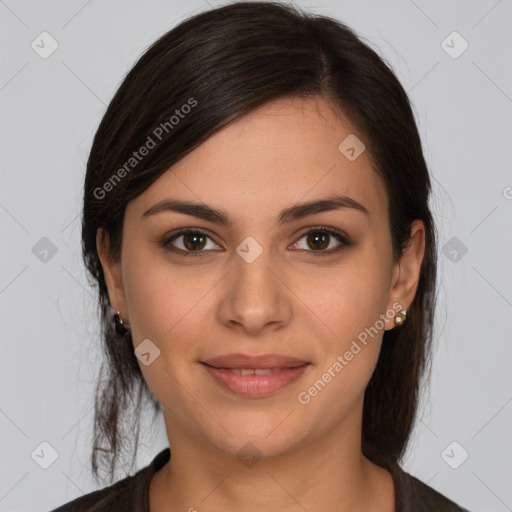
x=120 y=494
x=412 y=495
x=129 y=494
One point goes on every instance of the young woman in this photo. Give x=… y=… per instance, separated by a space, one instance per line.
x=256 y=219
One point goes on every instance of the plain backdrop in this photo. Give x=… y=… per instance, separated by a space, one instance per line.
x=452 y=57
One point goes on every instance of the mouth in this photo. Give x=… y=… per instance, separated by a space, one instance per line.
x=254 y=376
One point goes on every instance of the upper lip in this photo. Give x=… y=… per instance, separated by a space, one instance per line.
x=257 y=362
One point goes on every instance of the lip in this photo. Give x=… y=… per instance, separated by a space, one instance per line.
x=225 y=371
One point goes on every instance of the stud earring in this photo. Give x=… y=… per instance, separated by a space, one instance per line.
x=401 y=317
x=120 y=324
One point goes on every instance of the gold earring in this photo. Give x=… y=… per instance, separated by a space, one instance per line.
x=401 y=317
x=120 y=324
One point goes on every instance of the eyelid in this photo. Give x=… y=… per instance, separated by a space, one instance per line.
x=340 y=235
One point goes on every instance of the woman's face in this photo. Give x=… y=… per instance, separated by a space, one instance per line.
x=268 y=282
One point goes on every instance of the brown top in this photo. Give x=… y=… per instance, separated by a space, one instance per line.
x=131 y=494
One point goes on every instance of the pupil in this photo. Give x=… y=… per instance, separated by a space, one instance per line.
x=318 y=238
x=196 y=240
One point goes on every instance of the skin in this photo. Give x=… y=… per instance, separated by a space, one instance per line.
x=287 y=301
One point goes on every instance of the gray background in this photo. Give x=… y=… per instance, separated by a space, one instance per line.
x=50 y=109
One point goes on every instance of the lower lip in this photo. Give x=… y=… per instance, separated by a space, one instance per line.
x=255 y=386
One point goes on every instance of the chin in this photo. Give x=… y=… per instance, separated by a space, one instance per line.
x=267 y=436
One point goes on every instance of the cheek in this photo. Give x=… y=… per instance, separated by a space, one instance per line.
x=348 y=354
x=155 y=299
x=350 y=297
x=165 y=300
x=349 y=301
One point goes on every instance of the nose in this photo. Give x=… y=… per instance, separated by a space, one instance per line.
x=255 y=295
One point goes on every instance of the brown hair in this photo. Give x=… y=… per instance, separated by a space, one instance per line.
x=226 y=62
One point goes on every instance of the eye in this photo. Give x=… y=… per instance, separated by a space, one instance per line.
x=193 y=242
x=320 y=238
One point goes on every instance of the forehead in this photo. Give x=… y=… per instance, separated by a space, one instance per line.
x=284 y=152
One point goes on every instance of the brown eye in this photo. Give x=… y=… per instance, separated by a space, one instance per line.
x=318 y=240
x=192 y=241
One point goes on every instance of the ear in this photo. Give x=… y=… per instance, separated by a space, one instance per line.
x=406 y=272
x=112 y=273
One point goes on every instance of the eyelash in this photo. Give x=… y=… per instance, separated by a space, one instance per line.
x=339 y=235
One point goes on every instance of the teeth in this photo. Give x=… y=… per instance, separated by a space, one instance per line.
x=252 y=371
x=264 y=371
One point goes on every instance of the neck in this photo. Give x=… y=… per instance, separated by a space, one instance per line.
x=329 y=474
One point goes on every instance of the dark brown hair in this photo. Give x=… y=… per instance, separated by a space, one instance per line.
x=226 y=62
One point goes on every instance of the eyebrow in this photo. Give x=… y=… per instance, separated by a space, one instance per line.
x=290 y=214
